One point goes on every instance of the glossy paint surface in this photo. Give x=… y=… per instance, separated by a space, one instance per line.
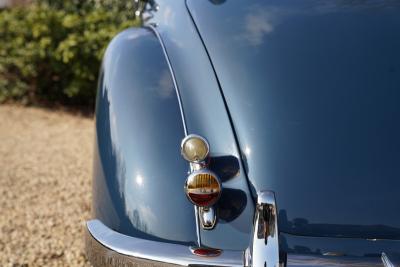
x=313 y=88
x=338 y=246
x=317 y=251
x=206 y=115
x=138 y=171
x=323 y=261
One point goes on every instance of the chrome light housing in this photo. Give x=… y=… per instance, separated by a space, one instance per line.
x=194 y=148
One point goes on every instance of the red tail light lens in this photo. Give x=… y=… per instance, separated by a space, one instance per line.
x=206 y=252
x=203 y=188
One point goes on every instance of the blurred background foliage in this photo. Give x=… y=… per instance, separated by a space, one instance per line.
x=51 y=50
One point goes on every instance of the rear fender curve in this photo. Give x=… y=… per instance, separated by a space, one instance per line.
x=138 y=171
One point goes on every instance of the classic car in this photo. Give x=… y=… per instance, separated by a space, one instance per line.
x=250 y=133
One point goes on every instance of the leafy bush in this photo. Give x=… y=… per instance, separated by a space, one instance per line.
x=50 y=51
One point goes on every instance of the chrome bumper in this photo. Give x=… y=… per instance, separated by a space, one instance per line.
x=105 y=247
x=108 y=248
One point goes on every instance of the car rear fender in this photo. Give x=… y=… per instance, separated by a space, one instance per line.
x=138 y=171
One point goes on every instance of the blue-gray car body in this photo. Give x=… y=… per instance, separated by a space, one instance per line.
x=301 y=98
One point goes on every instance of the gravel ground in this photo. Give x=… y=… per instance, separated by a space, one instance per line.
x=45 y=175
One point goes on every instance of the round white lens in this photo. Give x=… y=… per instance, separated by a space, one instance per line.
x=195 y=148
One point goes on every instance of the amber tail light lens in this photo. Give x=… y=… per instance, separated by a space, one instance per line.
x=203 y=188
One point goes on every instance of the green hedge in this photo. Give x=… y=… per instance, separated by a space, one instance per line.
x=50 y=51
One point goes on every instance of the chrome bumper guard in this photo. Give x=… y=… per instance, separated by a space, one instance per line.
x=105 y=247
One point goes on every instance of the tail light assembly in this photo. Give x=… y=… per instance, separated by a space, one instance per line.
x=202 y=187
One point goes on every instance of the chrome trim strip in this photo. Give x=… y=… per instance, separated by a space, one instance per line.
x=386 y=260
x=197 y=220
x=106 y=247
x=157 y=34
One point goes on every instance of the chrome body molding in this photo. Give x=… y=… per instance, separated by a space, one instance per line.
x=386 y=260
x=105 y=247
x=171 y=70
